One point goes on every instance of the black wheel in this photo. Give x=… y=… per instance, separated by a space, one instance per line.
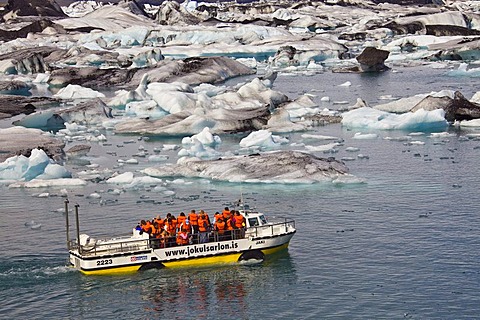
x=252 y=254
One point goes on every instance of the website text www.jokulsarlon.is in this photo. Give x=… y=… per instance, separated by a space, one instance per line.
x=192 y=250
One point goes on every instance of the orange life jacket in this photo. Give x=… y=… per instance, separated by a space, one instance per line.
x=180 y=220
x=185 y=227
x=230 y=224
x=239 y=221
x=170 y=227
x=193 y=217
x=220 y=226
x=226 y=214
x=202 y=223
x=147 y=227
x=218 y=215
x=182 y=238
x=160 y=223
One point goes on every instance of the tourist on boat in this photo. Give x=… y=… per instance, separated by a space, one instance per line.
x=146 y=226
x=185 y=226
x=216 y=216
x=182 y=238
x=203 y=227
x=240 y=224
x=159 y=222
x=226 y=213
x=139 y=228
x=229 y=226
x=163 y=239
x=220 y=227
x=193 y=217
x=181 y=219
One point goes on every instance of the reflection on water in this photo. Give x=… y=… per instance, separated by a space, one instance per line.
x=223 y=291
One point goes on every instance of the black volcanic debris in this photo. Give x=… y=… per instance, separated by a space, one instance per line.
x=41 y=8
x=373 y=59
x=35 y=26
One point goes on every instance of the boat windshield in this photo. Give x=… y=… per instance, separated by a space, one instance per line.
x=252 y=222
x=263 y=219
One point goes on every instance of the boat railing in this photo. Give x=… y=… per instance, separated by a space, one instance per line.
x=272 y=228
x=129 y=244
x=111 y=246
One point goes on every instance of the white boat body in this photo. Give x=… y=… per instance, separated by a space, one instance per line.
x=139 y=252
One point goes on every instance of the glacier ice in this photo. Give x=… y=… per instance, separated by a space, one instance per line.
x=38 y=165
x=369 y=118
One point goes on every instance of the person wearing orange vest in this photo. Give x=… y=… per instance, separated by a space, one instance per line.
x=163 y=239
x=216 y=216
x=240 y=224
x=193 y=217
x=203 y=227
x=220 y=227
x=180 y=220
x=230 y=225
x=159 y=222
x=182 y=238
x=226 y=213
x=146 y=226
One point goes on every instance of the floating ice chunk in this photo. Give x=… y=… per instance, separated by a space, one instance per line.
x=441 y=135
x=325 y=99
x=157 y=158
x=94 y=195
x=170 y=147
x=73 y=182
x=475 y=123
x=348 y=179
x=142 y=182
x=365 y=136
x=416 y=143
x=345 y=84
x=205 y=137
x=43 y=195
x=73 y=91
x=318 y=137
x=197 y=149
x=416 y=133
x=322 y=148
x=124 y=178
x=362 y=156
x=464 y=71
x=262 y=138
x=147 y=108
x=54 y=171
x=352 y=149
x=375 y=119
x=131 y=161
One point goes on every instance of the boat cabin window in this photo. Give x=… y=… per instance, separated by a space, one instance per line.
x=252 y=222
x=263 y=219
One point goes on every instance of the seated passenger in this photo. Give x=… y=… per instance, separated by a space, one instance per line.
x=182 y=238
x=220 y=228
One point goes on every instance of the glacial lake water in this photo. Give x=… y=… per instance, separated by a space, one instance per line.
x=403 y=245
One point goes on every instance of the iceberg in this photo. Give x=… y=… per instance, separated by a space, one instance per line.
x=369 y=118
x=73 y=91
x=38 y=165
x=262 y=139
x=285 y=167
